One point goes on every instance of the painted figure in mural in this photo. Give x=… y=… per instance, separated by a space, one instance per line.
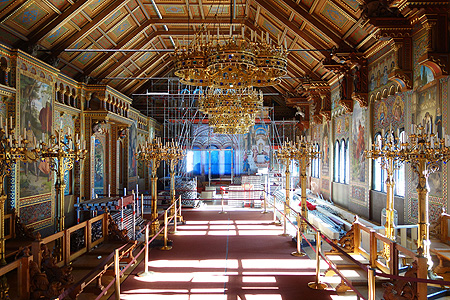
x=372 y=83
x=427 y=123
x=31 y=139
x=246 y=165
x=45 y=117
x=438 y=121
x=382 y=112
x=325 y=150
x=360 y=142
x=384 y=79
x=397 y=109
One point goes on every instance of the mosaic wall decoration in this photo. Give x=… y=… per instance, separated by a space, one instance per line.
x=335 y=96
x=419 y=49
x=423 y=78
x=140 y=164
x=326 y=150
x=35 y=106
x=259 y=146
x=357 y=158
x=389 y=112
x=358 y=193
x=132 y=138
x=325 y=184
x=32 y=215
x=380 y=69
x=341 y=127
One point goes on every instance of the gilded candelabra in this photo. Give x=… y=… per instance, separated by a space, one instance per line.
x=173 y=154
x=424 y=151
x=392 y=157
x=60 y=152
x=304 y=153
x=152 y=153
x=286 y=155
x=12 y=149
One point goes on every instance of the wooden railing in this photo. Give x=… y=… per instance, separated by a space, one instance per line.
x=65 y=235
x=369 y=243
x=444 y=228
x=9 y=226
x=23 y=275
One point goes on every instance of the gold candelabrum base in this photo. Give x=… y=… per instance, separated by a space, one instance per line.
x=303 y=152
x=423 y=151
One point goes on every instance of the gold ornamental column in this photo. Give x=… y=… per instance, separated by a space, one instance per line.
x=304 y=153
x=173 y=154
x=152 y=153
x=424 y=151
x=391 y=157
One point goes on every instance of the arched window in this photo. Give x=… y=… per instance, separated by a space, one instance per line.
x=347 y=163
x=342 y=156
x=315 y=163
x=378 y=182
x=399 y=175
x=317 y=159
x=336 y=162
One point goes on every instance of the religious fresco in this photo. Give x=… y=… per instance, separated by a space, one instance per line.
x=428 y=114
x=358 y=159
x=99 y=160
x=389 y=112
x=132 y=139
x=35 y=106
x=140 y=164
x=325 y=150
x=379 y=70
x=260 y=147
x=342 y=127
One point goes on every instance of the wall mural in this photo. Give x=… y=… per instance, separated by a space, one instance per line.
x=358 y=161
x=379 y=71
x=132 y=138
x=140 y=164
x=260 y=147
x=99 y=159
x=428 y=114
x=325 y=151
x=35 y=108
x=389 y=111
x=65 y=122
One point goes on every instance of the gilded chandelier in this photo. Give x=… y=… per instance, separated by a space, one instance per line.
x=229 y=69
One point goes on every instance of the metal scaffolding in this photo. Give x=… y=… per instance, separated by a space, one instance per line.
x=177 y=107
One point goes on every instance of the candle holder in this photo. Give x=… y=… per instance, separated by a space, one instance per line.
x=173 y=154
x=13 y=148
x=152 y=153
x=304 y=153
x=392 y=157
x=424 y=151
x=60 y=152
x=286 y=154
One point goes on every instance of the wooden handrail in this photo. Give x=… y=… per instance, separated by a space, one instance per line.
x=23 y=277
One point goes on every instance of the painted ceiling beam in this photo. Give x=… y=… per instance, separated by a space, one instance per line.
x=269 y=8
x=314 y=22
x=138 y=83
x=9 y=10
x=91 y=26
x=143 y=69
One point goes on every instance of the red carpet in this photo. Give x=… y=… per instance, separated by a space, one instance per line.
x=234 y=256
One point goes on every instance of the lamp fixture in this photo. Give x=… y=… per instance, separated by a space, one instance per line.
x=230 y=68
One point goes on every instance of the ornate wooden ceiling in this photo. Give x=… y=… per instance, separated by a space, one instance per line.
x=49 y=27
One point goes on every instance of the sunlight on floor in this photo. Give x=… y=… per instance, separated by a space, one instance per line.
x=259 y=276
